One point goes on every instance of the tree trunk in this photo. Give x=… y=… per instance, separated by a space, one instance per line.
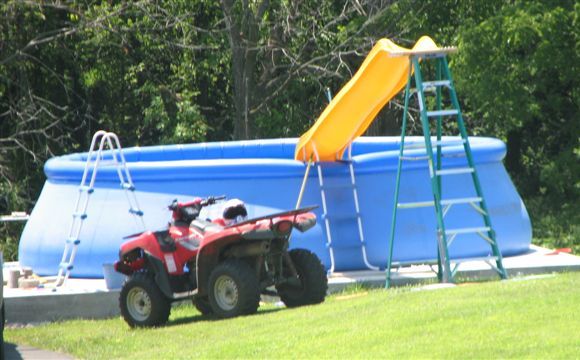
x=243 y=26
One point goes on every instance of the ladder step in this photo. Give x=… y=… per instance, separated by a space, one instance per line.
x=136 y=212
x=461 y=201
x=415 y=158
x=88 y=189
x=66 y=266
x=128 y=186
x=467 y=230
x=435 y=143
x=395 y=264
x=341 y=217
x=453 y=171
x=418 y=204
x=73 y=241
x=483 y=258
x=434 y=84
x=436 y=113
x=82 y=216
x=344 y=161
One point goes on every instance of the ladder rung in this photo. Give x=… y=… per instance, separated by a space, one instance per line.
x=463 y=260
x=73 y=241
x=435 y=143
x=395 y=264
x=128 y=186
x=443 y=202
x=448 y=142
x=432 y=84
x=453 y=171
x=440 y=52
x=344 y=161
x=66 y=266
x=418 y=204
x=461 y=201
x=136 y=212
x=456 y=155
x=341 y=217
x=82 y=216
x=415 y=158
x=88 y=189
x=467 y=230
x=435 y=113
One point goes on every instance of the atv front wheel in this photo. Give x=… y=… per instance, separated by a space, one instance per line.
x=233 y=289
x=203 y=306
x=313 y=281
x=142 y=302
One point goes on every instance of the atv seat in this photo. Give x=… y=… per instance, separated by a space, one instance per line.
x=204 y=226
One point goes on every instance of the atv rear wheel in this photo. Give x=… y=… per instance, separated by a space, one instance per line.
x=233 y=289
x=142 y=302
x=313 y=281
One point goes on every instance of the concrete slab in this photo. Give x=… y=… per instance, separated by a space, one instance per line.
x=90 y=298
x=537 y=260
x=81 y=298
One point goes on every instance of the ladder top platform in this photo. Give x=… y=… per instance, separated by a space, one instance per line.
x=431 y=52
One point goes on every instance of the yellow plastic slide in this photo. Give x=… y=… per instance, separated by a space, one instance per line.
x=349 y=114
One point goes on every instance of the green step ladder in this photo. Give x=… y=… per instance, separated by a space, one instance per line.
x=444 y=236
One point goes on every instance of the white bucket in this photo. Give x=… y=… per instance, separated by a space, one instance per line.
x=113 y=279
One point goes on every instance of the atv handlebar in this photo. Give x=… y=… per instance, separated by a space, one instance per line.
x=189 y=211
x=211 y=200
x=197 y=202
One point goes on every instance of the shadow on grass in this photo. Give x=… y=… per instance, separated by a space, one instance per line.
x=198 y=317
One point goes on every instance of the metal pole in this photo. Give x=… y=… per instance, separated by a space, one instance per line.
x=303 y=187
x=398 y=179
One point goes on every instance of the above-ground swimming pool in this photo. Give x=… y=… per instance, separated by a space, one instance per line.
x=264 y=175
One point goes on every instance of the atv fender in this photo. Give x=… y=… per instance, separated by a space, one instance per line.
x=208 y=257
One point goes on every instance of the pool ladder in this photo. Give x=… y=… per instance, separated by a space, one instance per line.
x=445 y=237
x=94 y=160
x=329 y=218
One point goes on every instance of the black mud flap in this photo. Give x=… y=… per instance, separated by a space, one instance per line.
x=161 y=276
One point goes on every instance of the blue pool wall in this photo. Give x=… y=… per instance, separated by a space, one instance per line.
x=264 y=174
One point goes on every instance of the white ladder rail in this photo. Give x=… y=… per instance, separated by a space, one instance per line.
x=72 y=242
x=125 y=176
x=324 y=209
x=357 y=209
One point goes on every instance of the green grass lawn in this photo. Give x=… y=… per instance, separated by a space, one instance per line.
x=529 y=318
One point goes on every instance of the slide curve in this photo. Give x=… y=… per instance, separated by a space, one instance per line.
x=353 y=109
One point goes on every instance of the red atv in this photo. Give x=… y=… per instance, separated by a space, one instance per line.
x=223 y=267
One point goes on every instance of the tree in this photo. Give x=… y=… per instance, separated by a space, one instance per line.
x=518 y=70
x=284 y=55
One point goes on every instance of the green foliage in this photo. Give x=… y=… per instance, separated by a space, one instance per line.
x=518 y=73
x=11 y=199
x=159 y=72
